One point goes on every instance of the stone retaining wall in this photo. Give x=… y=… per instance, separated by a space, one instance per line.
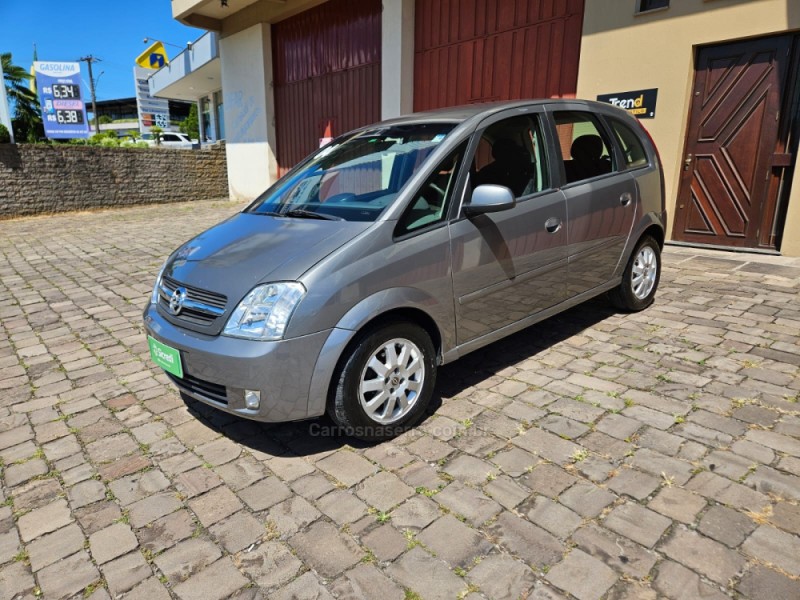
x=44 y=178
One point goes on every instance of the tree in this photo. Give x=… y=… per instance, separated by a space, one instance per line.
x=191 y=125
x=27 y=121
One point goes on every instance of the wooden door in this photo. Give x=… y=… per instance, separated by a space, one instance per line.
x=726 y=196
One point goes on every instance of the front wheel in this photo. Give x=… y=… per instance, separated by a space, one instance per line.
x=640 y=279
x=385 y=382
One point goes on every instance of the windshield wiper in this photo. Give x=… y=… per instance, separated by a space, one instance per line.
x=307 y=214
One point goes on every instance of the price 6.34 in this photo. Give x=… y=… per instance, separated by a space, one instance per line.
x=69 y=117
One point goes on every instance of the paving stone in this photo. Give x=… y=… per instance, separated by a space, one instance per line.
x=546 y=445
x=347 y=467
x=582 y=575
x=727 y=464
x=415 y=513
x=270 y=564
x=554 y=517
x=111 y=542
x=147 y=510
x=776 y=441
x=97 y=516
x=548 y=480
x=9 y=545
x=215 y=505
x=135 y=487
x=197 y=481
x=67 y=577
x=676 y=581
x=770 y=481
x=453 y=541
x=775 y=546
x=616 y=551
x=216 y=582
x=618 y=426
x=786 y=516
x=383 y=491
x=111 y=447
x=187 y=558
x=238 y=532
x=727 y=492
x=312 y=487
x=677 y=503
x=506 y=491
x=725 y=525
x=660 y=441
x=150 y=588
x=125 y=465
x=761 y=583
x=703 y=555
x=385 y=542
x=265 y=493
x=16 y=581
x=475 y=506
x=52 y=547
x=305 y=587
x=586 y=499
x=660 y=465
x=218 y=452
x=44 y=520
x=503 y=578
x=637 y=523
x=365 y=582
x=525 y=540
x=17 y=474
x=425 y=575
x=165 y=532
x=125 y=572
x=241 y=473
x=515 y=461
x=342 y=507
x=326 y=550
x=633 y=483
x=292 y=515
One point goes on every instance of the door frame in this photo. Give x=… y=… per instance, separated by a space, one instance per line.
x=778 y=187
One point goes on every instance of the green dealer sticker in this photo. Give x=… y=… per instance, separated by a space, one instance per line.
x=165 y=357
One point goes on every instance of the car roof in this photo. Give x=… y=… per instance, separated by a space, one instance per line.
x=460 y=114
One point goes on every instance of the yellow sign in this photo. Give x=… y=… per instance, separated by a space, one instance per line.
x=154 y=57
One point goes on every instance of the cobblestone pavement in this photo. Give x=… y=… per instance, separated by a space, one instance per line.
x=593 y=455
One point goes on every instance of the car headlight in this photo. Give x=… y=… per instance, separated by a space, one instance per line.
x=154 y=295
x=265 y=311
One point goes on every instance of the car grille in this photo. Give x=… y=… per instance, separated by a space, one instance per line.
x=201 y=307
x=209 y=390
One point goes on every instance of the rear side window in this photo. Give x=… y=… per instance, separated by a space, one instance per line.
x=632 y=149
x=585 y=148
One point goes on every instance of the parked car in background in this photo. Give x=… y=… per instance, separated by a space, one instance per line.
x=170 y=139
x=403 y=246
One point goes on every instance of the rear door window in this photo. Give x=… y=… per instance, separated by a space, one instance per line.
x=585 y=147
x=632 y=150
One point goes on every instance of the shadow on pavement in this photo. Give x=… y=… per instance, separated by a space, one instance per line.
x=320 y=435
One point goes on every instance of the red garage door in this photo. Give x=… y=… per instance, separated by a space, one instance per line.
x=485 y=50
x=327 y=73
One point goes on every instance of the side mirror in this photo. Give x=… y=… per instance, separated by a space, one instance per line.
x=489 y=198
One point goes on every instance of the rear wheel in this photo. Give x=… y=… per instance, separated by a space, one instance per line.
x=640 y=279
x=384 y=383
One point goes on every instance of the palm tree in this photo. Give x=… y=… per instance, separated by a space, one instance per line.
x=27 y=121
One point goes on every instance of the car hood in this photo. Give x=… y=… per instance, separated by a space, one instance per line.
x=234 y=256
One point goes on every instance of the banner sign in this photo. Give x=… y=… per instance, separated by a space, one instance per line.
x=152 y=111
x=641 y=103
x=63 y=109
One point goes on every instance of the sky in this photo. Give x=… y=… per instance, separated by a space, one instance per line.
x=111 y=30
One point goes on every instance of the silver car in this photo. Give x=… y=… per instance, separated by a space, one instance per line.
x=403 y=246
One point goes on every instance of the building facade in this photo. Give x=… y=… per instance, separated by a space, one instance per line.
x=716 y=80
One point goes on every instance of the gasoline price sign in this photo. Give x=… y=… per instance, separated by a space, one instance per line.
x=63 y=109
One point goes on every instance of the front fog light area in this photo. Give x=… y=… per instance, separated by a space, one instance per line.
x=252 y=399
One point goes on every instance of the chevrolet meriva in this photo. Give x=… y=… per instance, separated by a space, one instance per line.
x=402 y=246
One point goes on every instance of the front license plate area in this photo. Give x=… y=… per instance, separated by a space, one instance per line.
x=166 y=357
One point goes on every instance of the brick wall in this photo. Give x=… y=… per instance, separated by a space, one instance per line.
x=44 y=178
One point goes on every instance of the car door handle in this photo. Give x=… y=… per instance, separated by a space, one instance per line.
x=552 y=225
x=625 y=198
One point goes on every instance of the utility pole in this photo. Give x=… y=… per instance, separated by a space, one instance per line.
x=89 y=60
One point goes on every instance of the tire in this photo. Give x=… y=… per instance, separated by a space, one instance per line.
x=373 y=403
x=640 y=279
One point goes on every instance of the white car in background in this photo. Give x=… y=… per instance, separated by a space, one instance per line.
x=170 y=139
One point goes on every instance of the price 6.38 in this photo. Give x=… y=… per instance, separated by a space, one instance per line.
x=69 y=117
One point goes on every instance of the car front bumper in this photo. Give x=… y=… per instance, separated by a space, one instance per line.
x=218 y=369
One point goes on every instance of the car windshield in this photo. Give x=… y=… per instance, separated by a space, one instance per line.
x=354 y=178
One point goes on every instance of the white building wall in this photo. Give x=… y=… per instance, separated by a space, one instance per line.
x=249 y=111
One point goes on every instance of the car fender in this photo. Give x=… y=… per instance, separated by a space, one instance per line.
x=355 y=319
x=645 y=222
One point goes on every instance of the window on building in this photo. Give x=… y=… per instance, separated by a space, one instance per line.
x=220 y=115
x=645 y=5
x=205 y=109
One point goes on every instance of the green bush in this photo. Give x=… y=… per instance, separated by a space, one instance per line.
x=5 y=137
x=109 y=142
x=105 y=119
